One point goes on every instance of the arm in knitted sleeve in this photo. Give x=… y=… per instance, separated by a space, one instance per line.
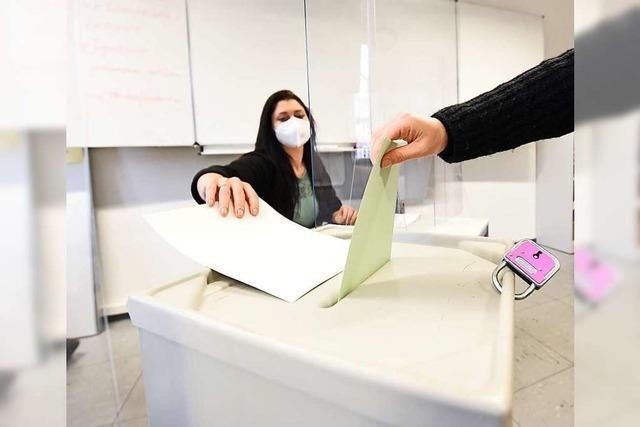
x=537 y=104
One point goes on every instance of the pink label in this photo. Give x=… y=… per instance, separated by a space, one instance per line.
x=534 y=262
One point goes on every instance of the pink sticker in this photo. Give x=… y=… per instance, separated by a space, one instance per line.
x=532 y=261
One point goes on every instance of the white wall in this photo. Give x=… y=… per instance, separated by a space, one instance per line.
x=554 y=158
x=557 y=22
x=493 y=47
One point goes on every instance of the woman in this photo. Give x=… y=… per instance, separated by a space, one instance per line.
x=279 y=171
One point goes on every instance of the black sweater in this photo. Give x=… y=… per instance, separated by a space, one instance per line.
x=537 y=104
x=257 y=169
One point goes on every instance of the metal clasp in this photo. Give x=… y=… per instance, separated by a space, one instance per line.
x=496 y=283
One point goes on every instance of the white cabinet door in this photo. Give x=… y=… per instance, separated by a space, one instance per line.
x=414 y=66
x=18 y=286
x=392 y=57
x=242 y=52
x=336 y=35
x=554 y=193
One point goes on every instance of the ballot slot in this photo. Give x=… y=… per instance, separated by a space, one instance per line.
x=393 y=279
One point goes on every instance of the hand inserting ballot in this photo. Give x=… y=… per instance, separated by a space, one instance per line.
x=425 y=136
x=230 y=193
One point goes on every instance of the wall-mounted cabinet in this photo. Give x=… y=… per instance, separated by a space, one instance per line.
x=137 y=72
x=415 y=57
x=242 y=52
x=370 y=60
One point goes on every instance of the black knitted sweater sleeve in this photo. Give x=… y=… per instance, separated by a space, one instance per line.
x=537 y=104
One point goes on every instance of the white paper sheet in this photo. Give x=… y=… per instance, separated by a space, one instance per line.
x=268 y=251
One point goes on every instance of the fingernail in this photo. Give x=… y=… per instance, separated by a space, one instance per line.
x=240 y=211
x=254 y=211
x=224 y=211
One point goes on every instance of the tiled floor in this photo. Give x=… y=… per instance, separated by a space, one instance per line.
x=543 y=380
x=104 y=392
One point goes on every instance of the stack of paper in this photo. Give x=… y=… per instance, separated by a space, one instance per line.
x=267 y=251
x=280 y=257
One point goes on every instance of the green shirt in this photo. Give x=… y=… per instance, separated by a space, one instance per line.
x=305 y=210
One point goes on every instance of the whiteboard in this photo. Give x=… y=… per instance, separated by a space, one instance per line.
x=130 y=74
x=242 y=52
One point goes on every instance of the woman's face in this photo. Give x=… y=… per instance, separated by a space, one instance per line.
x=287 y=108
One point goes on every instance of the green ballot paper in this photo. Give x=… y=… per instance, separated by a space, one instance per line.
x=370 y=246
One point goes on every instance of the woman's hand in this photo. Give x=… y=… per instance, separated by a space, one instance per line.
x=346 y=215
x=425 y=136
x=230 y=193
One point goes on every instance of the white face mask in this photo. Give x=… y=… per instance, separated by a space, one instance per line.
x=294 y=132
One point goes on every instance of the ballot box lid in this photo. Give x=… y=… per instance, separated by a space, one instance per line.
x=426 y=330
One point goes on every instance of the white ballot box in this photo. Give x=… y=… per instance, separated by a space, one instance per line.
x=425 y=341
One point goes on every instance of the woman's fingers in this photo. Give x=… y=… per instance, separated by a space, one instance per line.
x=207 y=187
x=224 y=197
x=232 y=194
x=352 y=217
x=252 y=198
x=347 y=216
x=210 y=189
x=237 y=191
